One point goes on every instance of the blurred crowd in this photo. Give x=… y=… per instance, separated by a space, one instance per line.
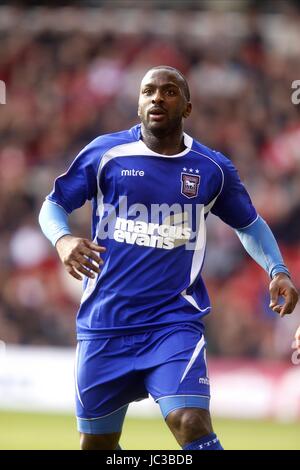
x=67 y=85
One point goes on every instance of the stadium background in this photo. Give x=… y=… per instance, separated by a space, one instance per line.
x=73 y=73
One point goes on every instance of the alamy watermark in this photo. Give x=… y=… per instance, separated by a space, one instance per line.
x=2 y=353
x=160 y=226
x=296 y=354
x=296 y=94
x=2 y=92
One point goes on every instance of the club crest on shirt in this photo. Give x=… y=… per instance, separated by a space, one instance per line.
x=189 y=185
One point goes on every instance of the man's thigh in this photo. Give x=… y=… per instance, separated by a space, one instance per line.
x=105 y=384
x=180 y=378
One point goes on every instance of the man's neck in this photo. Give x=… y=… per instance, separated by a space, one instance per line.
x=169 y=144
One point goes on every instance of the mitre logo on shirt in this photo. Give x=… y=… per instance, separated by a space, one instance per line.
x=190 y=184
x=149 y=234
x=132 y=172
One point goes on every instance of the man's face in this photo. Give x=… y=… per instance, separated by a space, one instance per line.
x=162 y=101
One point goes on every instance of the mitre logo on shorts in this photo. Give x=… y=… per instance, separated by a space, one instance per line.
x=189 y=185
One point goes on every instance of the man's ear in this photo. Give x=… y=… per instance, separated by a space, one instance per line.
x=188 y=110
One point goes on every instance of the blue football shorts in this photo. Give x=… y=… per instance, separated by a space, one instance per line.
x=169 y=364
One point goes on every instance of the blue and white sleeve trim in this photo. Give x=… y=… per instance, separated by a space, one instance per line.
x=259 y=241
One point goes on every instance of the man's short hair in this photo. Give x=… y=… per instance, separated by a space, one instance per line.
x=185 y=86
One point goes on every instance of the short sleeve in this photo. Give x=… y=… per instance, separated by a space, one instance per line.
x=233 y=205
x=79 y=184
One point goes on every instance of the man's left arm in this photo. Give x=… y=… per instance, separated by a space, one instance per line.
x=259 y=241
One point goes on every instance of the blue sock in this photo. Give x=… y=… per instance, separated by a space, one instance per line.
x=208 y=442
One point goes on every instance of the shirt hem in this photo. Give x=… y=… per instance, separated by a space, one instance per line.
x=138 y=330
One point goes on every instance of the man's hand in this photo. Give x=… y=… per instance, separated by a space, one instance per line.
x=281 y=285
x=78 y=255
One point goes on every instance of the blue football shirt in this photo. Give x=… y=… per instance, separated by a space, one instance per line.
x=149 y=212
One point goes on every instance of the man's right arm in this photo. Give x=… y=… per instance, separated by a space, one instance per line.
x=77 y=254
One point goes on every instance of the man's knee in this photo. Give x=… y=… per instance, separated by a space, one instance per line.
x=188 y=424
x=99 y=441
